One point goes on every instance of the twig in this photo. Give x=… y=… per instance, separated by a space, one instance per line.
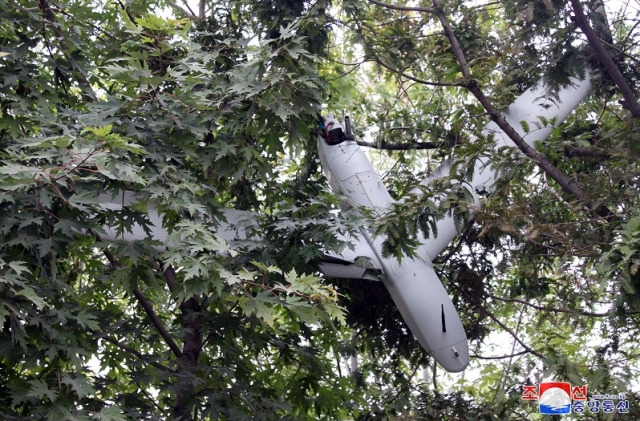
x=135 y=353
x=400 y=146
x=513 y=334
x=505 y=375
x=557 y=310
x=415 y=79
x=403 y=8
x=500 y=357
x=151 y=399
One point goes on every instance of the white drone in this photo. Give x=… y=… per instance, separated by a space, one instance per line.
x=412 y=283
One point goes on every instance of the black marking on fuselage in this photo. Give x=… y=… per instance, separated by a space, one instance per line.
x=444 y=323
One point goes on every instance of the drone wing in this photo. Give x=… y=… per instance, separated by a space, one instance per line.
x=355 y=262
x=358 y=262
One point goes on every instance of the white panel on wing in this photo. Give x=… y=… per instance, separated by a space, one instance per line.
x=528 y=111
x=237 y=225
x=135 y=232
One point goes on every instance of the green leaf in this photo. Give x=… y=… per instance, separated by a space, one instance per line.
x=39 y=389
x=78 y=384
x=111 y=413
x=4 y=312
x=19 y=267
x=81 y=201
x=14 y=169
x=99 y=131
x=32 y=296
x=265 y=313
x=63 y=141
x=88 y=320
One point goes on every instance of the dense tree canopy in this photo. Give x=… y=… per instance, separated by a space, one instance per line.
x=204 y=105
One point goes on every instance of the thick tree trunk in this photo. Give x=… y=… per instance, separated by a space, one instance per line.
x=185 y=400
x=183 y=407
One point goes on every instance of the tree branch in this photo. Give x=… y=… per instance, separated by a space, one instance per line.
x=201 y=9
x=513 y=334
x=135 y=353
x=413 y=78
x=556 y=310
x=79 y=74
x=565 y=182
x=148 y=308
x=630 y=100
x=505 y=375
x=484 y=310
x=168 y=274
x=500 y=357
x=575 y=151
x=403 y=8
x=401 y=146
x=176 y=6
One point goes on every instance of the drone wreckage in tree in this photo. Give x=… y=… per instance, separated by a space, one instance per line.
x=413 y=283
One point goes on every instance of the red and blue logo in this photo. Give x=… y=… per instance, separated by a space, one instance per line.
x=555 y=398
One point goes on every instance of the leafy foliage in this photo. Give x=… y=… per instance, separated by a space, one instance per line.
x=212 y=108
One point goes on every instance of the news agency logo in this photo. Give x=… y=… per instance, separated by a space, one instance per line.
x=559 y=398
x=554 y=398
